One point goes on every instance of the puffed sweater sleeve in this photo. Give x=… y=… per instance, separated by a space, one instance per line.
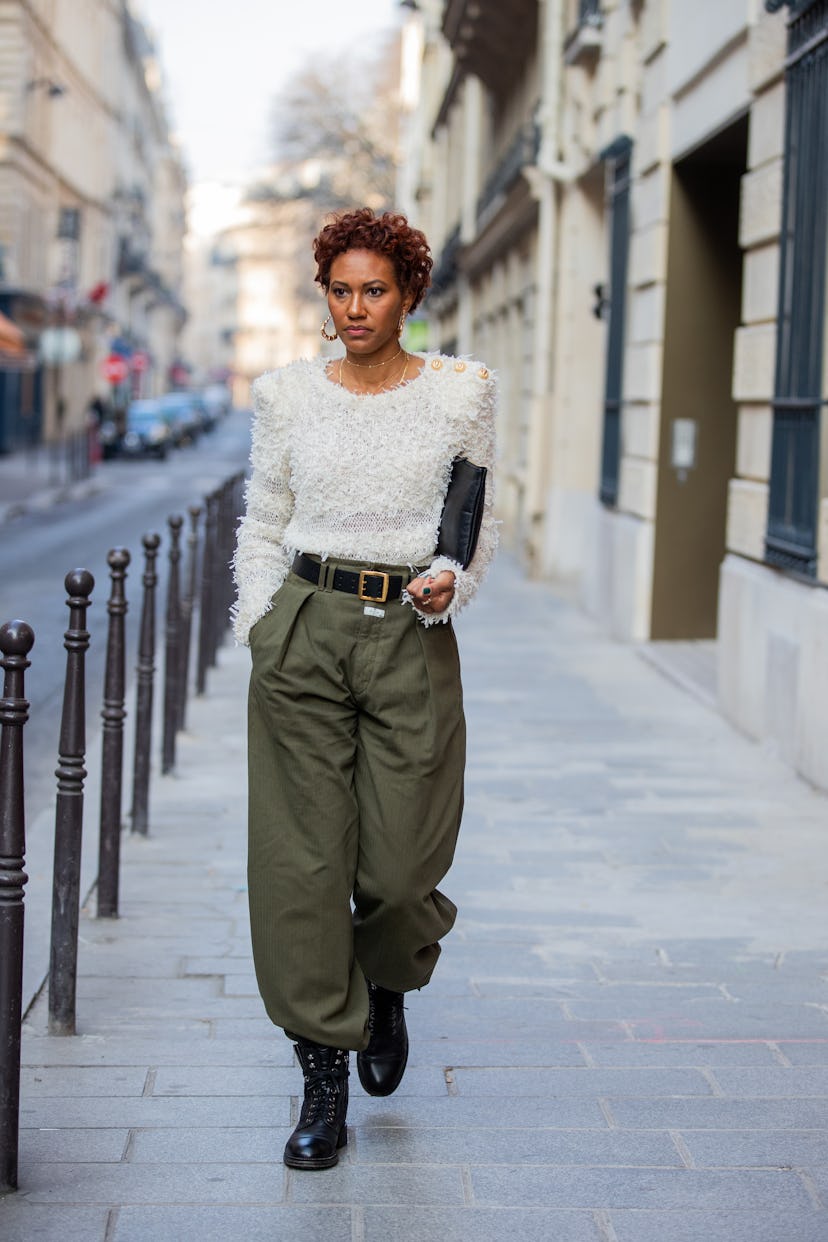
x=477 y=443
x=261 y=561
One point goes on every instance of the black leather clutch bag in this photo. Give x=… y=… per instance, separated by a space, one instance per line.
x=462 y=511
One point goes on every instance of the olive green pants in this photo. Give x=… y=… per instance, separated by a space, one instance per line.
x=356 y=758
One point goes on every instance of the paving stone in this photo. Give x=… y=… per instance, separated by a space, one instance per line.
x=257 y=1223
x=210 y=1144
x=637 y=1188
x=122 y=1184
x=720 y=1226
x=718 y=1114
x=22 y=1221
x=481 y=1112
x=226 y=1080
x=558 y=1147
x=389 y=1183
x=201 y=965
x=805 y=1052
x=682 y=1053
x=493 y=1052
x=803 y=1083
x=714 y=1020
x=70 y=1080
x=112 y=1113
x=446 y=1224
x=757 y=1149
x=65 y=1144
x=558 y=1083
x=94 y=1050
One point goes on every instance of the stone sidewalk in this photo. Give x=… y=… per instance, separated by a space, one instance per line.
x=626 y=1039
x=33 y=480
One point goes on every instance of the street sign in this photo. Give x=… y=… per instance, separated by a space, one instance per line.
x=115 y=369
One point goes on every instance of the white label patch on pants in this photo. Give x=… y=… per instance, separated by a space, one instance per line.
x=368 y=611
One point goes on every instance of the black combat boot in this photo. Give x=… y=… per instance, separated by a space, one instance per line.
x=321 y=1131
x=382 y=1064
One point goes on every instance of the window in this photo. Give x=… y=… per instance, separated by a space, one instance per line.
x=791 y=538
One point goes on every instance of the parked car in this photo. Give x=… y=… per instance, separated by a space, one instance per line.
x=181 y=414
x=217 y=399
x=207 y=416
x=147 y=431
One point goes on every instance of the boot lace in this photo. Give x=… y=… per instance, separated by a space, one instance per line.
x=323 y=1089
x=385 y=1009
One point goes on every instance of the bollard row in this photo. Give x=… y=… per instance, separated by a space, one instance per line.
x=208 y=588
x=16 y=641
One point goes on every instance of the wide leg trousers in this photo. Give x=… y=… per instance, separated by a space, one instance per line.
x=356 y=759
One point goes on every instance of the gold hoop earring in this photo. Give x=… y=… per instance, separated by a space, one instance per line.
x=326 y=335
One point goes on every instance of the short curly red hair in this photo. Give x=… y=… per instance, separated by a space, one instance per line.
x=389 y=234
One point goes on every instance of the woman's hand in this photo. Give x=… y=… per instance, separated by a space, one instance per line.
x=432 y=595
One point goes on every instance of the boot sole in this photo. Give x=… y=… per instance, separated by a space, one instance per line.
x=320 y=1162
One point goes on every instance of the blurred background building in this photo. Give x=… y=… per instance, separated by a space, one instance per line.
x=91 y=217
x=627 y=201
x=628 y=206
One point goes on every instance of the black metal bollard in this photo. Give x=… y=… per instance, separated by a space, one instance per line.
x=206 y=610
x=187 y=605
x=145 y=672
x=112 y=754
x=16 y=641
x=172 y=654
x=63 y=959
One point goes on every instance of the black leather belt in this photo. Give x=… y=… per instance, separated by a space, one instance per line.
x=375 y=586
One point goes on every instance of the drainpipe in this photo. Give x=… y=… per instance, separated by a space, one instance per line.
x=544 y=179
x=472 y=113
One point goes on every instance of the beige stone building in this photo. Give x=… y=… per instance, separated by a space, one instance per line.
x=628 y=203
x=91 y=211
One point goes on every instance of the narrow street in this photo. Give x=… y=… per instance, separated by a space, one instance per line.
x=129 y=498
x=626 y=1038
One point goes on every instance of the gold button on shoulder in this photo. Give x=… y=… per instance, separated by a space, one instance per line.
x=436 y=364
x=459 y=366
x=483 y=373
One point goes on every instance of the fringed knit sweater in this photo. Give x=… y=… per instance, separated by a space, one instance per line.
x=362 y=477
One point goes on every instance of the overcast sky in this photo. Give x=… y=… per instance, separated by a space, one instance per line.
x=224 y=60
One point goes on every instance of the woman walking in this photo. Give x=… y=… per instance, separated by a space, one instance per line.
x=356 y=727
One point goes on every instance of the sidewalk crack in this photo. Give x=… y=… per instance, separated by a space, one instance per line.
x=682 y=1149
x=811 y=1190
x=605 y=1226
x=605 y=1108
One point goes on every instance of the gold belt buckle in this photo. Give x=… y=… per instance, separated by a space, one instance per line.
x=373 y=573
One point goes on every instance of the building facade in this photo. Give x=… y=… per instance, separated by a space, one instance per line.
x=627 y=202
x=91 y=213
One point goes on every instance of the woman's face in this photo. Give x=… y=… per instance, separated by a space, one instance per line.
x=366 y=302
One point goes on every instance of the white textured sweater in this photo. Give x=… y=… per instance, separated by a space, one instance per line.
x=362 y=477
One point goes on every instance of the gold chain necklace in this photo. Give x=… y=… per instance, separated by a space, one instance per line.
x=382 y=387
x=369 y=366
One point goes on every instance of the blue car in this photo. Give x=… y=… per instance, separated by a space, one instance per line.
x=147 y=432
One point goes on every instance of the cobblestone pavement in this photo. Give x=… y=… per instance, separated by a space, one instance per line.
x=626 y=1039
